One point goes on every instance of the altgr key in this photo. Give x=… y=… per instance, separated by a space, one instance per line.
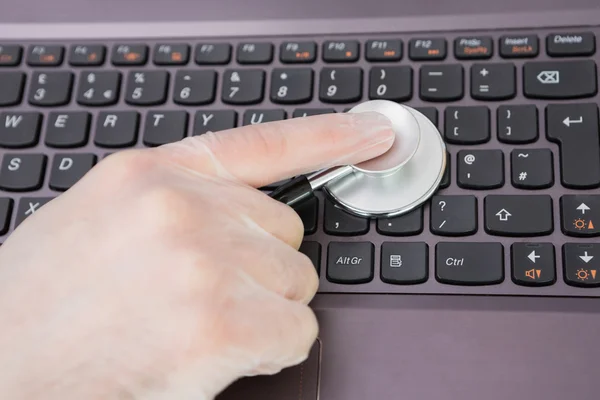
x=350 y=263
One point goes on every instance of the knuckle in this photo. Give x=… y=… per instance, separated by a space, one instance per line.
x=301 y=279
x=164 y=207
x=127 y=166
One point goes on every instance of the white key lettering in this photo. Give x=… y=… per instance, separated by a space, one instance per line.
x=65 y=164
x=110 y=120
x=206 y=118
x=260 y=118
x=14 y=164
x=12 y=121
x=157 y=118
x=61 y=121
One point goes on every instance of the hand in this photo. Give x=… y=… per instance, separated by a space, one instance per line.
x=164 y=273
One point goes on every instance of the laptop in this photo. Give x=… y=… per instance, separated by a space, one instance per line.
x=491 y=290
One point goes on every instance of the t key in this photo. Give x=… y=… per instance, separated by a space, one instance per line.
x=50 y=88
x=467 y=125
x=147 y=87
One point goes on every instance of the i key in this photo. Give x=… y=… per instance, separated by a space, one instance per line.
x=50 y=88
x=517 y=124
x=532 y=168
x=390 y=83
x=98 y=88
x=193 y=87
x=147 y=87
x=480 y=169
x=340 y=85
x=291 y=85
x=454 y=215
x=467 y=125
x=243 y=86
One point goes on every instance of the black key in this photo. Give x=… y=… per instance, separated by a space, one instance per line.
x=350 y=263
x=390 y=83
x=526 y=215
x=575 y=128
x=383 y=50
x=404 y=263
x=19 y=129
x=341 y=223
x=87 y=55
x=313 y=251
x=425 y=49
x=147 y=87
x=254 y=53
x=22 y=172
x=430 y=112
x=213 y=53
x=297 y=52
x=340 y=85
x=130 y=54
x=41 y=55
x=581 y=262
x=467 y=125
x=532 y=168
x=67 y=129
x=403 y=225
x=164 y=127
x=571 y=44
x=100 y=88
x=453 y=215
x=494 y=81
x=473 y=47
x=445 y=182
x=171 y=54
x=6 y=209
x=214 y=121
x=519 y=46
x=10 y=55
x=341 y=50
x=50 y=88
x=68 y=169
x=560 y=79
x=441 y=82
x=252 y=117
x=28 y=206
x=243 y=86
x=307 y=211
x=463 y=263
x=533 y=264
x=306 y=112
x=117 y=129
x=517 y=124
x=580 y=215
x=12 y=84
x=193 y=87
x=291 y=85
x=480 y=169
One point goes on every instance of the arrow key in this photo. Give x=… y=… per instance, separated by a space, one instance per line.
x=580 y=215
x=582 y=264
x=533 y=264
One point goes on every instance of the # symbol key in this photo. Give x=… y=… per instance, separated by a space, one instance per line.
x=522 y=176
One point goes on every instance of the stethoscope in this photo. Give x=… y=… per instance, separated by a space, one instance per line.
x=396 y=182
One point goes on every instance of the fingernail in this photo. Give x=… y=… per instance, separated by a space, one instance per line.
x=376 y=126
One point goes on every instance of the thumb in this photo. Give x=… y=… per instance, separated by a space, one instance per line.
x=269 y=152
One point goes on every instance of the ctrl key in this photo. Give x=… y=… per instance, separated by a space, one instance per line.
x=350 y=263
x=464 y=263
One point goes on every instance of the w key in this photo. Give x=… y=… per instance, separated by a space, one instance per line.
x=508 y=215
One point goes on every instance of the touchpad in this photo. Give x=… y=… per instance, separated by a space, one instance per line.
x=300 y=382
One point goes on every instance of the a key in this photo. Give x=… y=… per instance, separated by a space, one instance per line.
x=214 y=121
x=517 y=124
x=212 y=53
x=308 y=213
x=453 y=215
x=28 y=206
x=162 y=127
x=533 y=264
x=404 y=263
x=467 y=125
x=50 y=88
x=518 y=215
x=19 y=129
x=580 y=215
x=560 y=79
x=340 y=85
x=430 y=112
x=12 y=84
x=10 y=55
x=243 y=86
x=129 y=54
x=171 y=54
x=480 y=169
x=390 y=83
x=341 y=51
x=67 y=129
x=464 y=263
x=518 y=46
x=68 y=169
x=581 y=263
x=117 y=129
x=445 y=182
x=42 y=55
x=195 y=87
x=254 y=53
x=147 y=87
x=441 y=82
x=383 y=50
x=575 y=128
x=493 y=81
x=306 y=112
x=291 y=85
x=6 y=209
x=571 y=44
x=532 y=168
x=350 y=263
x=339 y=222
x=313 y=251
x=473 y=47
x=297 y=52
x=22 y=172
x=403 y=225
x=252 y=117
x=87 y=55
x=427 y=49
x=100 y=88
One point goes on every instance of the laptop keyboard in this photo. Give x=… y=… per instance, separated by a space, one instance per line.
x=518 y=210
